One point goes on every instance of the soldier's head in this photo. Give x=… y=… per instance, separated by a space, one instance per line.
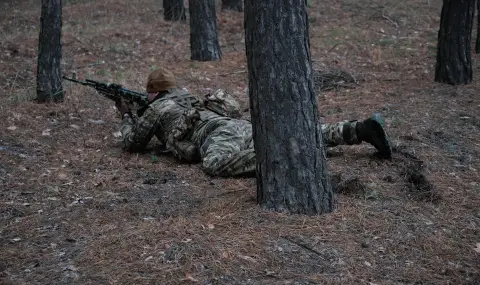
x=159 y=81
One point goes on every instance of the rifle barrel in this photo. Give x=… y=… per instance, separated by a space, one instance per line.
x=76 y=81
x=113 y=91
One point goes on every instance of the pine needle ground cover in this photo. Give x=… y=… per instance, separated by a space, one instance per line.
x=75 y=209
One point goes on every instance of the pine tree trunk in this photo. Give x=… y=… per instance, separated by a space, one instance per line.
x=49 y=78
x=454 y=56
x=203 y=31
x=291 y=158
x=174 y=10
x=235 y=5
x=477 y=44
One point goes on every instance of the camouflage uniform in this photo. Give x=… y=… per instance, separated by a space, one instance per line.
x=223 y=144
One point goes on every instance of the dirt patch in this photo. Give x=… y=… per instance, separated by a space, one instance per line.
x=333 y=79
x=348 y=186
x=404 y=167
x=419 y=187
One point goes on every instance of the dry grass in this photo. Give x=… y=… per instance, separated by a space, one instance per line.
x=75 y=209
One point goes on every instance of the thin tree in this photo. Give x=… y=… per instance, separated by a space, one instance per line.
x=204 y=44
x=235 y=5
x=49 y=78
x=174 y=10
x=454 y=56
x=477 y=44
x=291 y=159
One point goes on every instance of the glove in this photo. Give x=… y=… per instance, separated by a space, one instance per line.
x=183 y=150
x=122 y=107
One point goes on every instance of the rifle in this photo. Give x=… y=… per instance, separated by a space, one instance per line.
x=114 y=91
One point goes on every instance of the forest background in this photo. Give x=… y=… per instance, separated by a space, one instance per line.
x=75 y=209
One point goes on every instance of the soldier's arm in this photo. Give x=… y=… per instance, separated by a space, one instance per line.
x=137 y=132
x=176 y=142
x=184 y=150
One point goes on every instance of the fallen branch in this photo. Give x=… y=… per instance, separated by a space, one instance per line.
x=390 y=20
x=232 y=73
x=304 y=246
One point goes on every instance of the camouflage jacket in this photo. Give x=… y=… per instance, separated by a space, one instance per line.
x=163 y=116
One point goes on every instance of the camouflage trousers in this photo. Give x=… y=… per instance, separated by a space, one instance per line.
x=229 y=150
x=341 y=133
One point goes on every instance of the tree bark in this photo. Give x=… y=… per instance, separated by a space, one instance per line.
x=174 y=10
x=49 y=77
x=477 y=44
x=454 y=56
x=203 y=31
x=291 y=158
x=235 y=5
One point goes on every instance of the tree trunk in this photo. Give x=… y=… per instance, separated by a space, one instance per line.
x=203 y=31
x=49 y=77
x=291 y=158
x=477 y=45
x=174 y=10
x=454 y=56
x=235 y=5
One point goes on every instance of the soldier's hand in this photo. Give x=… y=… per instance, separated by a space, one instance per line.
x=190 y=117
x=122 y=107
x=183 y=150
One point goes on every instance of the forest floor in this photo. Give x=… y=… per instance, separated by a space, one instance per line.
x=76 y=209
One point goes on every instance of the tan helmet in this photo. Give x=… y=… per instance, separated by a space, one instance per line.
x=160 y=80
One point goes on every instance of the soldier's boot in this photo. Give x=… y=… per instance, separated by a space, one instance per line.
x=372 y=131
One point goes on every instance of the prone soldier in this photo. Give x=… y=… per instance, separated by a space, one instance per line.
x=210 y=131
